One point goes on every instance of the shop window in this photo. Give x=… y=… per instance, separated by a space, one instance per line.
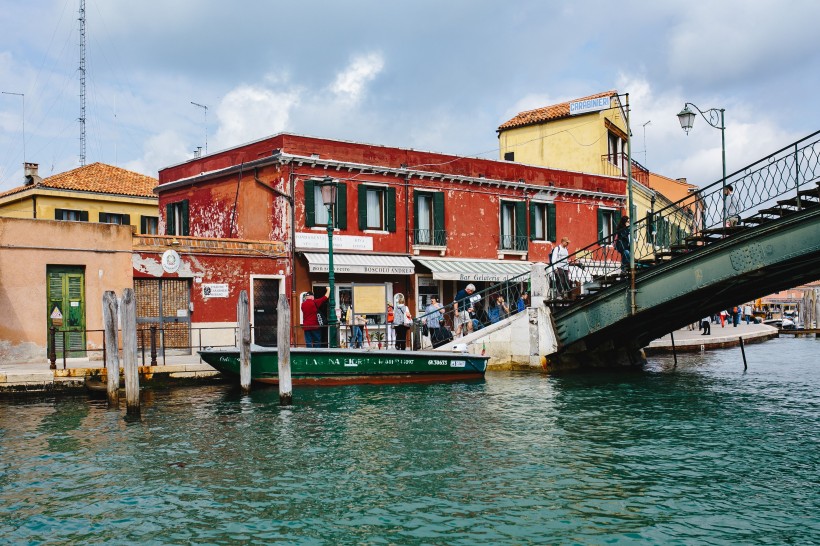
x=176 y=219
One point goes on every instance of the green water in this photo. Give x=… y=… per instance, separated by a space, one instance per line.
x=701 y=454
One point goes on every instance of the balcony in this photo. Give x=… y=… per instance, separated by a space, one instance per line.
x=615 y=165
x=430 y=237
x=513 y=243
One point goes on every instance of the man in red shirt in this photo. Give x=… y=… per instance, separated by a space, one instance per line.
x=310 y=319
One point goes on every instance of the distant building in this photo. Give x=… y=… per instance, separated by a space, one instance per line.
x=94 y=193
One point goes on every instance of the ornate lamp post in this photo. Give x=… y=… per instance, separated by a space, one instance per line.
x=329 y=187
x=715 y=119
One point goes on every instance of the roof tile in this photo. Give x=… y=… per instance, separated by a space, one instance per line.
x=547 y=113
x=97 y=178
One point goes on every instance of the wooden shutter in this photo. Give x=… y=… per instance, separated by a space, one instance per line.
x=362 y=207
x=83 y=216
x=126 y=219
x=58 y=214
x=438 y=219
x=390 y=198
x=310 y=204
x=551 y=230
x=170 y=220
x=520 y=225
x=600 y=224
x=184 y=214
x=533 y=219
x=341 y=206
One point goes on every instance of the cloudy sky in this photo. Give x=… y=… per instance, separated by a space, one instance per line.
x=438 y=75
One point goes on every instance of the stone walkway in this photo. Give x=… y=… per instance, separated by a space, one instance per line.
x=728 y=336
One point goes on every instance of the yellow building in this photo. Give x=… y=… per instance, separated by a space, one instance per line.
x=94 y=193
x=584 y=135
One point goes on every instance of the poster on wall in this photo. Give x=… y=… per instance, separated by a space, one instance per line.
x=214 y=290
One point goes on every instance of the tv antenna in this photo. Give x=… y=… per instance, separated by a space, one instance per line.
x=205 y=110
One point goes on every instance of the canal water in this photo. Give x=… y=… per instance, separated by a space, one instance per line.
x=703 y=453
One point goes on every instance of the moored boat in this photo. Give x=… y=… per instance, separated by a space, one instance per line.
x=348 y=366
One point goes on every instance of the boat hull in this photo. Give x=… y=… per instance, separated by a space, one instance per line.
x=351 y=366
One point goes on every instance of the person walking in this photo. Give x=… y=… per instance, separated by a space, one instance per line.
x=433 y=317
x=723 y=315
x=401 y=322
x=747 y=313
x=311 y=323
x=706 y=325
x=522 y=303
x=356 y=323
x=732 y=207
x=462 y=324
x=560 y=268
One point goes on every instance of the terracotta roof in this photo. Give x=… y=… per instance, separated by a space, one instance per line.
x=546 y=113
x=97 y=178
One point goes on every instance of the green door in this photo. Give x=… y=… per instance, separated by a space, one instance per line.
x=66 y=309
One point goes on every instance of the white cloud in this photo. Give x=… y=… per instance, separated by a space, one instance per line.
x=160 y=151
x=350 y=84
x=253 y=111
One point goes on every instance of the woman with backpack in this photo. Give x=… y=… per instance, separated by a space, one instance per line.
x=622 y=242
x=401 y=322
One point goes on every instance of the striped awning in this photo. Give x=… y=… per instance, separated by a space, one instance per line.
x=474 y=270
x=371 y=264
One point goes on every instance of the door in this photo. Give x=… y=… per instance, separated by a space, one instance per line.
x=164 y=303
x=66 y=309
x=265 y=311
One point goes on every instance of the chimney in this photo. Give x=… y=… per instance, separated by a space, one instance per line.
x=681 y=180
x=31 y=176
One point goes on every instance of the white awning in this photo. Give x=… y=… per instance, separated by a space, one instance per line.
x=474 y=270
x=371 y=264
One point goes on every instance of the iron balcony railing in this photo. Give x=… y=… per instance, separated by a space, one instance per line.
x=431 y=237
x=513 y=242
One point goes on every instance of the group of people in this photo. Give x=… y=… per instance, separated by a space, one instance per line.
x=733 y=316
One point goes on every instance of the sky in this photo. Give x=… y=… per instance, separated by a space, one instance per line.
x=437 y=75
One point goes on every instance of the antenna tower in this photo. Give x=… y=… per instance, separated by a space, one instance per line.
x=82 y=83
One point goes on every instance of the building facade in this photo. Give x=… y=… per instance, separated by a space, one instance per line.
x=405 y=221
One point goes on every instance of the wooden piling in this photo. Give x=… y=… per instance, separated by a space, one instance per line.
x=674 y=351
x=130 y=364
x=283 y=347
x=243 y=323
x=742 y=351
x=112 y=346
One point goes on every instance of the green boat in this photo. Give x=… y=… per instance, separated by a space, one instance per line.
x=349 y=366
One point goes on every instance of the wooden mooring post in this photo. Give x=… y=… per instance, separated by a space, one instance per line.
x=112 y=347
x=283 y=349
x=244 y=326
x=742 y=351
x=128 y=322
x=674 y=351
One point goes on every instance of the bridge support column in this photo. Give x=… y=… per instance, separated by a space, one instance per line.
x=604 y=355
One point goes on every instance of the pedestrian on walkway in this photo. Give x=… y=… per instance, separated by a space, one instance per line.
x=622 y=242
x=706 y=325
x=732 y=208
x=312 y=320
x=723 y=315
x=560 y=267
x=402 y=320
x=735 y=316
x=747 y=312
x=462 y=324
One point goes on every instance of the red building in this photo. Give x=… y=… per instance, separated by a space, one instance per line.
x=414 y=222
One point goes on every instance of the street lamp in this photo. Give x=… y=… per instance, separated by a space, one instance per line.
x=329 y=188
x=715 y=119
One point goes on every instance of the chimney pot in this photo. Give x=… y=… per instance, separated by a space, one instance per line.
x=30 y=173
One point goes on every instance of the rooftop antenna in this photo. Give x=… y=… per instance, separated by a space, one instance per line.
x=24 y=119
x=644 y=141
x=82 y=83
x=205 y=109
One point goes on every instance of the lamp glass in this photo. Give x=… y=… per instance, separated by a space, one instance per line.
x=686 y=118
x=328 y=189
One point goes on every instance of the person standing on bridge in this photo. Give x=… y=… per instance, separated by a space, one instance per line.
x=622 y=242
x=732 y=208
x=560 y=267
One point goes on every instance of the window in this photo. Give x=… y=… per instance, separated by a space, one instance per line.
x=71 y=215
x=113 y=218
x=607 y=220
x=316 y=211
x=176 y=219
x=149 y=225
x=429 y=219
x=542 y=222
x=616 y=153
x=513 y=226
x=509 y=156
x=377 y=208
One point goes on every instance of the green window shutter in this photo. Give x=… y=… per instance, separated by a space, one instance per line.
x=416 y=195
x=126 y=219
x=362 y=207
x=143 y=224
x=170 y=225
x=390 y=196
x=184 y=214
x=58 y=214
x=310 y=204
x=533 y=216
x=551 y=231
x=438 y=217
x=616 y=218
x=341 y=206
x=83 y=216
x=520 y=225
x=100 y=216
x=600 y=224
